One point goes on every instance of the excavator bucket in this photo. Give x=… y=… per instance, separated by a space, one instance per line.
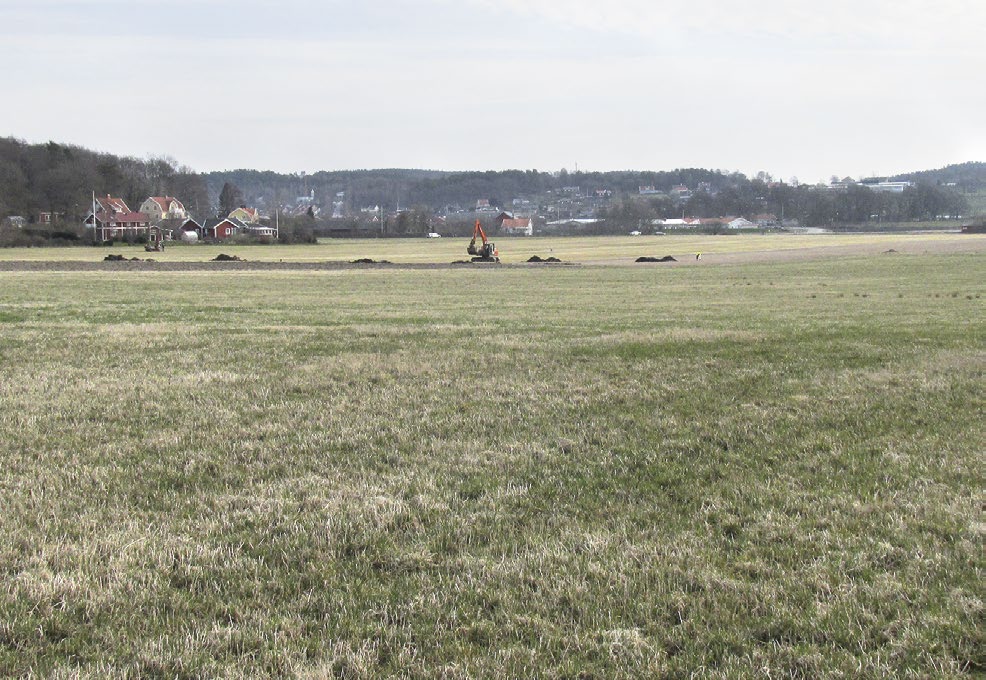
x=481 y=253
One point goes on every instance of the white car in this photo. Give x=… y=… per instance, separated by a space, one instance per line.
x=634 y=233
x=432 y=234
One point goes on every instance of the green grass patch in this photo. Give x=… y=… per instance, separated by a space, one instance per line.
x=596 y=472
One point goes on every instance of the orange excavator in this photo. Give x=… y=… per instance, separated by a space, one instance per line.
x=486 y=252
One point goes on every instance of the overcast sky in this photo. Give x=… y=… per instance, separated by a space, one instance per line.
x=792 y=87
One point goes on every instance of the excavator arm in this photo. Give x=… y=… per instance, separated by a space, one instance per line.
x=477 y=232
x=486 y=252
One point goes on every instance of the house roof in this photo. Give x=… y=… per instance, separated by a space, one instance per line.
x=165 y=202
x=214 y=222
x=517 y=223
x=128 y=217
x=252 y=212
x=173 y=222
x=109 y=203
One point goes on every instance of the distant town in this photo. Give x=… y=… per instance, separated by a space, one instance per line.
x=63 y=193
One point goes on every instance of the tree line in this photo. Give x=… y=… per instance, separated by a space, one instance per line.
x=60 y=178
x=810 y=205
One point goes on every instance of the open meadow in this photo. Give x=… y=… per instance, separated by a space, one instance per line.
x=773 y=468
x=608 y=250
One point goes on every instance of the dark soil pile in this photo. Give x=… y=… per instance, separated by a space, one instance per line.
x=666 y=258
x=223 y=257
x=121 y=258
x=367 y=260
x=535 y=258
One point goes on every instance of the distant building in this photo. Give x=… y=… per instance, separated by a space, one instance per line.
x=245 y=214
x=570 y=225
x=114 y=219
x=677 y=222
x=190 y=225
x=113 y=225
x=258 y=230
x=111 y=204
x=224 y=228
x=159 y=208
x=891 y=187
x=681 y=192
x=518 y=226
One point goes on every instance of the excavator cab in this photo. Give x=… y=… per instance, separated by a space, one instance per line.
x=485 y=251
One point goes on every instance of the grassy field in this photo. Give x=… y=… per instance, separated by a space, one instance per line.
x=771 y=470
x=587 y=250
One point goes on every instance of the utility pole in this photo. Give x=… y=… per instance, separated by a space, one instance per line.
x=94 y=216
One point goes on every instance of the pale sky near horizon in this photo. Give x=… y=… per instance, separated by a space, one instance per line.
x=791 y=87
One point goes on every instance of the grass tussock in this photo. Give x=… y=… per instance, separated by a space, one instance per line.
x=460 y=473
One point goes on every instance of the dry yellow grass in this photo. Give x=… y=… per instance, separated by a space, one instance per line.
x=587 y=250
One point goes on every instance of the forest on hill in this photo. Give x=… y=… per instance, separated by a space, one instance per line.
x=61 y=178
x=969 y=177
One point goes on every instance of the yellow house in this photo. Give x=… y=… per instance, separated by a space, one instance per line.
x=248 y=215
x=159 y=208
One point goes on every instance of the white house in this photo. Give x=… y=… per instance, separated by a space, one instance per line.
x=518 y=226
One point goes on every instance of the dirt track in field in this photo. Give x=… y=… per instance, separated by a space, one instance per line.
x=210 y=266
x=975 y=243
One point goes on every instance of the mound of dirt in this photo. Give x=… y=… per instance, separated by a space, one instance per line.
x=536 y=258
x=366 y=260
x=122 y=258
x=223 y=257
x=890 y=251
x=666 y=258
